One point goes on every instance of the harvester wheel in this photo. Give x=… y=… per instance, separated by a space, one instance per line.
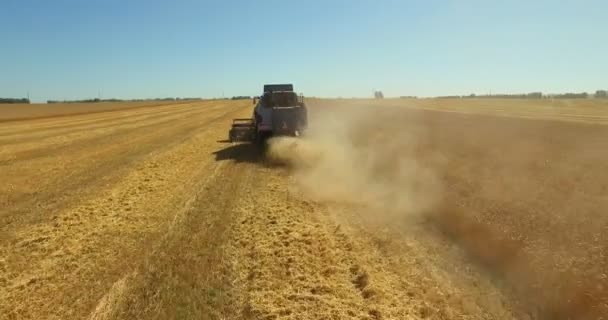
x=260 y=138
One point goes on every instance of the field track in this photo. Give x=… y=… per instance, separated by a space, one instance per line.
x=146 y=212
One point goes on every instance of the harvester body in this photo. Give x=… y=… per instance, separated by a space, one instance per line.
x=278 y=112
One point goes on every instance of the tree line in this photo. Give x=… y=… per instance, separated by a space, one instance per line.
x=241 y=98
x=96 y=100
x=14 y=100
x=599 y=94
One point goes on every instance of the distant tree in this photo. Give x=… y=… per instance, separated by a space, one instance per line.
x=241 y=98
x=601 y=94
x=449 y=97
x=582 y=95
x=114 y=100
x=14 y=100
x=378 y=94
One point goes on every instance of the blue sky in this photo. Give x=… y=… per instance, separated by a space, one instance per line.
x=141 y=49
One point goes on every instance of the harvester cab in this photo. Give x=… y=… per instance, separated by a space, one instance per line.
x=278 y=112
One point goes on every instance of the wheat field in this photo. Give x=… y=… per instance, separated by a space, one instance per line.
x=384 y=209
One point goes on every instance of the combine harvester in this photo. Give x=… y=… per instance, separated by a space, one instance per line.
x=278 y=112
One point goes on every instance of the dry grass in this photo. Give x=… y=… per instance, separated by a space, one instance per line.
x=297 y=260
x=525 y=197
x=10 y=112
x=142 y=213
x=570 y=110
x=83 y=214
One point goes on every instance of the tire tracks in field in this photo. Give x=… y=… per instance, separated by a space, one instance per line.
x=104 y=166
x=68 y=113
x=21 y=127
x=61 y=268
x=187 y=272
x=61 y=142
x=49 y=136
x=298 y=259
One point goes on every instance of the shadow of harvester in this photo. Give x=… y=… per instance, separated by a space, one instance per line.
x=246 y=152
x=240 y=152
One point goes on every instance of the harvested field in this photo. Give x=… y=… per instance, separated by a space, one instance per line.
x=394 y=209
x=11 y=112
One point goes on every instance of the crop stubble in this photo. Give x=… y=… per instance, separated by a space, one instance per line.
x=146 y=213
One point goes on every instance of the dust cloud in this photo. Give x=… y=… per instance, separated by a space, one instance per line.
x=519 y=196
x=363 y=156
